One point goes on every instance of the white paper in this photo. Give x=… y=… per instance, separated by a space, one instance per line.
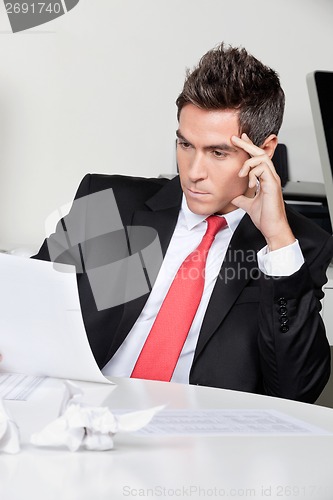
x=216 y=422
x=41 y=326
x=18 y=386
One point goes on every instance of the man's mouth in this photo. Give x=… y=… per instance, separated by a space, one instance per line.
x=196 y=193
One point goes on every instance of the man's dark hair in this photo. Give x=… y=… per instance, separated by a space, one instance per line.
x=230 y=78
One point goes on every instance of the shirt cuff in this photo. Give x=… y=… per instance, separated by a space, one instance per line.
x=282 y=262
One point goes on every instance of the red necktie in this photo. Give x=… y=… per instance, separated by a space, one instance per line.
x=165 y=341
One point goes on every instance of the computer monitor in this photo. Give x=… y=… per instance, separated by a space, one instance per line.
x=320 y=88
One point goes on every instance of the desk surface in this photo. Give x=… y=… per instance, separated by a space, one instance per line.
x=170 y=467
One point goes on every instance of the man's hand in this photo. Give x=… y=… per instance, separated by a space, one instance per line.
x=266 y=207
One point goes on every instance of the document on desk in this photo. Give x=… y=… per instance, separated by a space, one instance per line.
x=18 y=386
x=41 y=326
x=217 y=422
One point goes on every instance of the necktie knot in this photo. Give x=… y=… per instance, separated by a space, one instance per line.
x=215 y=224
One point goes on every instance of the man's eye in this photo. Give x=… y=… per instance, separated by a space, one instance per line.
x=184 y=145
x=219 y=154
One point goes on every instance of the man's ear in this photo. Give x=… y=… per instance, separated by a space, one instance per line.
x=270 y=144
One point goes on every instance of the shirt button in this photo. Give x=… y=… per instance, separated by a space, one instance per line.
x=282 y=301
x=284 y=328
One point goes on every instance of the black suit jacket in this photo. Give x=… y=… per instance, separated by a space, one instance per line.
x=260 y=334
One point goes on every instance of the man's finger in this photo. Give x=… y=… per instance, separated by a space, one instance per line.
x=249 y=147
x=254 y=163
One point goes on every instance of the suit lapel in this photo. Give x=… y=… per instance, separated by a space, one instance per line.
x=239 y=266
x=159 y=213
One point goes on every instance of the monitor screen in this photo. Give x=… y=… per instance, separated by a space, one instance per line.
x=320 y=87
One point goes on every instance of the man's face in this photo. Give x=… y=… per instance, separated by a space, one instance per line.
x=208 y=162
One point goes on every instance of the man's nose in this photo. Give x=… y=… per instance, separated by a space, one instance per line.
x=197 y=170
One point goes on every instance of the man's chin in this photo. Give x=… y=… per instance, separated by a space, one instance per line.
x=199 y=208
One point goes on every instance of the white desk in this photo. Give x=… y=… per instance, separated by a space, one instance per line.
x=171 y=467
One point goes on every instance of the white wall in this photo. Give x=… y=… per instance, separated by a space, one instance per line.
x=94 y=91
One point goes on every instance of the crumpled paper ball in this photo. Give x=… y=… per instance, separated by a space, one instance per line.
x=9 y=433
x=92 y=428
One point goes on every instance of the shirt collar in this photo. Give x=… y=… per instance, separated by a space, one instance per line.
x=191 y=219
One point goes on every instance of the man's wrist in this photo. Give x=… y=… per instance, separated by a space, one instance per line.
x=283 y=239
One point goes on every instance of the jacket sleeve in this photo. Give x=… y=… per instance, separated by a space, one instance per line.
x=294 y=351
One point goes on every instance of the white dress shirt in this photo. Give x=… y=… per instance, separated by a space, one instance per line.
x=188 y=233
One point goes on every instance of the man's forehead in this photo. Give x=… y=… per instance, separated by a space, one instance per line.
x=208 y=128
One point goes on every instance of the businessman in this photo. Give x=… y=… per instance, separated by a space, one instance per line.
x=252 y=321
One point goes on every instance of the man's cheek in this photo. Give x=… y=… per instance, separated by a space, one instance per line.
x=241 y=186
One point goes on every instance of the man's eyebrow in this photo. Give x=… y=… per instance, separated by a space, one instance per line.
x=180 y=136
x=223 y=146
